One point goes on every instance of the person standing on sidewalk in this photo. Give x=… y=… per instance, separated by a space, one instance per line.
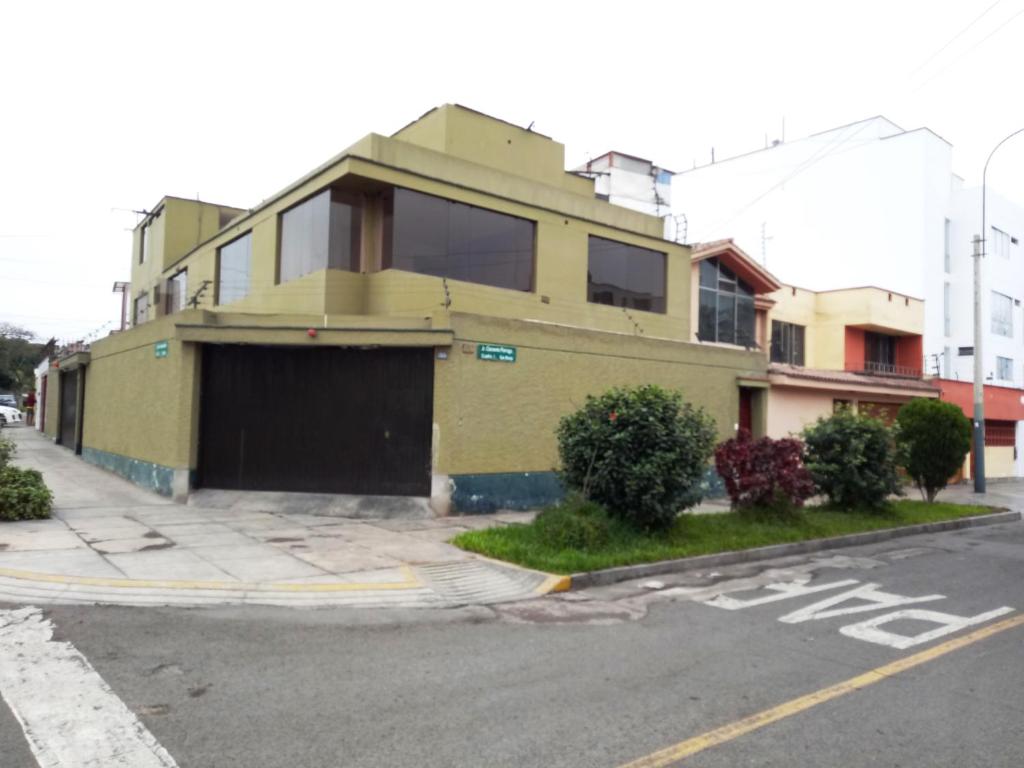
x=29 y=404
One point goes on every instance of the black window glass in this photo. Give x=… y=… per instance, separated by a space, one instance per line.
x=321 y=233
x=625 y=275
x=879 y=351
x=787 y=343
x=234 y=268
x=433 y=236
x=726 y=313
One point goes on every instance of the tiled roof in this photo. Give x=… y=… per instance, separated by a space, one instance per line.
x=849 y=377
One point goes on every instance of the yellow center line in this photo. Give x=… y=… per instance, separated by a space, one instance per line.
x=725 y=733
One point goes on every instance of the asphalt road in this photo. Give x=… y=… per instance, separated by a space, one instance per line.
x=599 y=678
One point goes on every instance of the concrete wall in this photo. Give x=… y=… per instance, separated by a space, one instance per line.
x=140 y=411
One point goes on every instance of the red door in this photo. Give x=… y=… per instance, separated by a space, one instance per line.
x=747 y=409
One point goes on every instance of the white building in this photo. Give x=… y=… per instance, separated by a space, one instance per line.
x=871 y=204
x=631 y=182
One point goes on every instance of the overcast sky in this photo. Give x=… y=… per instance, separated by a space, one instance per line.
x=106 y=106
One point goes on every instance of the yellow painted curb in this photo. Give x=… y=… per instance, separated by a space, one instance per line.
x=411 y=582
x=554 y=583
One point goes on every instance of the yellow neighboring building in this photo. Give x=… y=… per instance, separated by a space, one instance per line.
x=410 y=318
x=858 y=348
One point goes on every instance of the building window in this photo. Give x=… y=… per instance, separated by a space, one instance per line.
x=879 y=352
x=177 y=292
x=625 y=275
x=140 y=313
x=948 y=257
x=1000 y=243
x=321 y=233
x=1004 y=369
x=726 y=311
x=144 y=242
x=787 y=343
x=947 y=320
x=1002 y=315
x=947 y=363
x=234 y=269
x=432 y=236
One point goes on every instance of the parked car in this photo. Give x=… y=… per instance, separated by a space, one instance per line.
x=10 y=415
x=8 y=400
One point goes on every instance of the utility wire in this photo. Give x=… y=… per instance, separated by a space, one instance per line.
x=954 y=38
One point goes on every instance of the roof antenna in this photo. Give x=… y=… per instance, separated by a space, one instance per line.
x=530 y=126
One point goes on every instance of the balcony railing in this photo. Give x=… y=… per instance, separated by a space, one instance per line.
x=875 y=368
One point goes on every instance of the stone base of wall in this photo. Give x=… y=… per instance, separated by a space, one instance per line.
x=153 y=477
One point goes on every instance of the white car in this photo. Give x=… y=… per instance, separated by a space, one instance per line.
x=9 y=416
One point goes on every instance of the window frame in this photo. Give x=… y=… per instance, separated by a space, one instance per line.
x=787 y=347
x=741 y=290
x=169 y=293
x=1000 y=328
x=218 y=286
x=659 y=303
x=334 y=195
x=135 y=309
x=1004 y=365
x=387 y=250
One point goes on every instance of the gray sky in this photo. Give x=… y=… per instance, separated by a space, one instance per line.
x=108 y=106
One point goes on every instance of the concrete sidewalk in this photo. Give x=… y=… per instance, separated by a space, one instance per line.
x=111 y=542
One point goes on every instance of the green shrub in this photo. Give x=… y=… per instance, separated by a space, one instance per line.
x=641 y=453
x=852 y=460
x=7 y=449
x=23 y=495
x=574 y=524
x=933 y=438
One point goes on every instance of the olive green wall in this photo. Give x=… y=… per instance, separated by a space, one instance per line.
x=500 y=417
x=52 y=406
x=138 y=405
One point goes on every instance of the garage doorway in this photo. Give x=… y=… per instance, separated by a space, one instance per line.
x=323 y=420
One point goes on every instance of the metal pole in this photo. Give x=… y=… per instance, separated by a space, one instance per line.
x=979 y=377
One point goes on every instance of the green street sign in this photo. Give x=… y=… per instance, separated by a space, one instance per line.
x=496 y=352
x=160 y=349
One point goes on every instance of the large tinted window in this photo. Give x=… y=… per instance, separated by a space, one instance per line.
x=234 y=268
x=433 y=236
x=726 y=306
x=625 y=275
x=321 y=233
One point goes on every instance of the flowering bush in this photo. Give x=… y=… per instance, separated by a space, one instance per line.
x=641 y=453
x=764 y=474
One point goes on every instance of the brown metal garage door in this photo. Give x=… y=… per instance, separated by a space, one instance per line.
x=325 y=420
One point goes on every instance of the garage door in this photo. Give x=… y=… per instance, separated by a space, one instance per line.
x=68 y=409
x=327 y=420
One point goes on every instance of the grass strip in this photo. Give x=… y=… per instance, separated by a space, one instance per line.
x=700 y=535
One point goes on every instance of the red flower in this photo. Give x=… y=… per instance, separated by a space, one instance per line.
x=612 y=417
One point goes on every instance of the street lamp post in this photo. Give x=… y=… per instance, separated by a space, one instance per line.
x=979 y=370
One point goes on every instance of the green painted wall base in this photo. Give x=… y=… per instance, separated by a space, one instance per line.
x=152 y=477
x=484 y=494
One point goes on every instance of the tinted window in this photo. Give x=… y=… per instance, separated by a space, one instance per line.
x=787 y=343
x=177 y=290
x=234 y=268
x=433 y=236
x=726 y=309
x=321 y=233
x=625 y=275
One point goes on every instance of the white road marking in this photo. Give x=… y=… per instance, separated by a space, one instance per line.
x=876 y=600
x=782 y=591
x=70 y=716
x=870 y=632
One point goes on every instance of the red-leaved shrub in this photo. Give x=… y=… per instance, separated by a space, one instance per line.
x=764 y=474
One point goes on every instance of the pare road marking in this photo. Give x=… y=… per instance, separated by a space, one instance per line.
x=870 y=598
x=70 y=716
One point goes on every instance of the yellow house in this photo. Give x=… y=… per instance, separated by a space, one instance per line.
x=857 y=347
x=411 y=318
